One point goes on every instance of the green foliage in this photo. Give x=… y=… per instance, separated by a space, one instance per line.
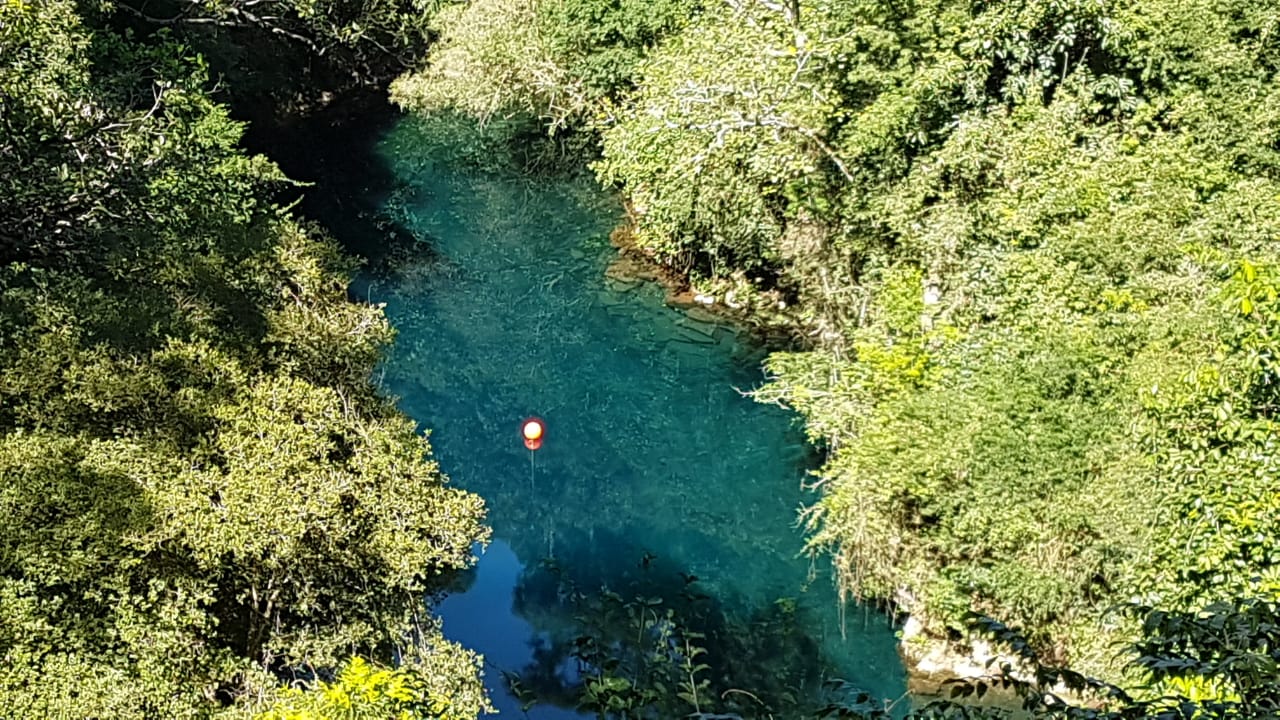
x=365 y=34
x=726 y=125
x=1216 y=662
x=361 y=690
x=110 y=139
x=1213 y=423
x=203 y=490
x=561 y=61
x=1226 y=652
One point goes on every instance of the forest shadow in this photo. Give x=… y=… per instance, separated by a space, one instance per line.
x=346 y=185
x=631 y=616
x=85 y=516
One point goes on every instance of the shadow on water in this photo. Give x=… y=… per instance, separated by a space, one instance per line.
x=346 y=187
x=759 y=658
x=655 y=467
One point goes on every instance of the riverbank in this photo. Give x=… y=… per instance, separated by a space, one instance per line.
x=760 y=313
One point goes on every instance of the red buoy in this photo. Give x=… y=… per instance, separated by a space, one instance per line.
x=532 y=431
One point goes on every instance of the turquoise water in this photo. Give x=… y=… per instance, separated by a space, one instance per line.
x=653 y=464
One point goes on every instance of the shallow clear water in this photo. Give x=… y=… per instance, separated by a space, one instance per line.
x=653 y=463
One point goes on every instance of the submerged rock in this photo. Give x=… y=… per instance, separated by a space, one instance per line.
x=627 y=269
x=703 y=316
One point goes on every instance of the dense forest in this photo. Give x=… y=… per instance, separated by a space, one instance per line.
x=204 y=495
x=1024 y=255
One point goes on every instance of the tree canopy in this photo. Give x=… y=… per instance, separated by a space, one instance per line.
x=205 y=496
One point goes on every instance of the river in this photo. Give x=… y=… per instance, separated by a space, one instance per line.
x=655 y=467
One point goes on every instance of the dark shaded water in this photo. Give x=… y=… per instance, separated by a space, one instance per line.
x=654 y=463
